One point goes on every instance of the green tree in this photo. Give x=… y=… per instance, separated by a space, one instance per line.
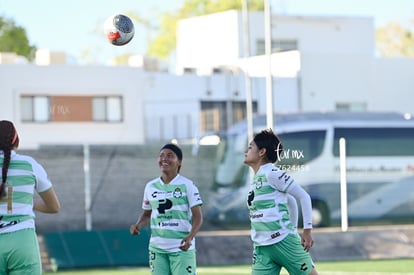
x=13 y=38
x=164 y=42
x=395 y=40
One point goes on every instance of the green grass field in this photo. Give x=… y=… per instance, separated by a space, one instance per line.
x=373 y=267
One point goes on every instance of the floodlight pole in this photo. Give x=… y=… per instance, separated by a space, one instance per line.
x=87 y=176
x=268 y=53
x=246 y=44
x=344 y=197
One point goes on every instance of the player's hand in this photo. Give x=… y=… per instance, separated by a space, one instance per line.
x=133 y=229
x=307 y=241
x=185 y=243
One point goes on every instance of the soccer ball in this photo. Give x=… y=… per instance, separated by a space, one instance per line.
x=119 y=29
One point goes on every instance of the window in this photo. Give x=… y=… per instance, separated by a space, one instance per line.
x=71 y=108
x=107 y=108
x=375 y=141
x=351 y=106
x=301 y=147
x=279 y=45
x=219 y=115
x=35 y=108
x=99 y=108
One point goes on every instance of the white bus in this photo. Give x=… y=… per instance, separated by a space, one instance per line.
x=379 y=162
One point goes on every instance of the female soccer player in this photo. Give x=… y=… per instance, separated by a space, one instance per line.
x=276 y=242
x=172 y=206
x=21 y=176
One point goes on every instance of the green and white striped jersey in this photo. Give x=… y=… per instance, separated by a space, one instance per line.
x=24 y=177
x=171 y=217
x=267 y=203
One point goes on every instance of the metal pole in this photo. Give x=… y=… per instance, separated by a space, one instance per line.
x=86 y=170
x=247 y=80
x=268 y=53
x=344 y=197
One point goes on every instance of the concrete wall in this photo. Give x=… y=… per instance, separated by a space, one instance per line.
x=118 y=176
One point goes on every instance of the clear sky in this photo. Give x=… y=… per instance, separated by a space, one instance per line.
x=76 y=26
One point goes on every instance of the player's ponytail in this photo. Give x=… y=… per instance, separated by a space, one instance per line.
x=8 y=140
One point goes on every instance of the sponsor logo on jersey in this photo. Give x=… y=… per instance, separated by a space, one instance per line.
x=165 y=217
x=250 y=198
x=275 y=235
x=162 y=194
x=256 y=216
x=163 y=224
x=5 y=224
x=285 y=177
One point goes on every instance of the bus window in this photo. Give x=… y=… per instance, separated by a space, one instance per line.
x=361 y=142
x=231 y=170
x=301 y=147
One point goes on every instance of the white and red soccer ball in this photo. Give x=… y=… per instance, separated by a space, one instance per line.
x=119 y=29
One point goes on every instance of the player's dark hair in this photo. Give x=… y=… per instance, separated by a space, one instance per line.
x=8 y=140
x=267 y=139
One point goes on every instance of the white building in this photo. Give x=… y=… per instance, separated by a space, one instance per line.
x=60 y=104
x=325 y=63
x=333 y=61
